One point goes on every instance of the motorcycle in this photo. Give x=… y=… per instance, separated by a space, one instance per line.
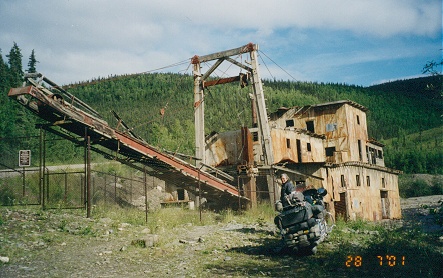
x=303 y=220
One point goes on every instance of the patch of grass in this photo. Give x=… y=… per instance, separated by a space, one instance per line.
x=366 y=249
x=354 y=248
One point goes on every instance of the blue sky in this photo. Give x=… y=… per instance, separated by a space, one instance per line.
x=359 y=42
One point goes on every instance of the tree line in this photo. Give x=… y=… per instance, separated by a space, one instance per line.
x=159 y=108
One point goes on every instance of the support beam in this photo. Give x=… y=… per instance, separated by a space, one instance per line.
x=236 y=51
x=220 y=81
x=199 y=115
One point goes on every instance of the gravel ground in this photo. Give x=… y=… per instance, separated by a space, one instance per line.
x=44 y=244
x=64 y=245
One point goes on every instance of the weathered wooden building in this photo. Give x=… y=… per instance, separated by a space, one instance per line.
x=325 y=145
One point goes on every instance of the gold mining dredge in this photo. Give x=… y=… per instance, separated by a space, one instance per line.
x=76 y=121
x=72 y=119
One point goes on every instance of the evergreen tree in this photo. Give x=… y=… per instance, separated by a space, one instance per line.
x=15 y=66
x=3 y=76
x=32 y=63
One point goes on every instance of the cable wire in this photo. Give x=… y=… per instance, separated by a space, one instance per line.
x=278 y=66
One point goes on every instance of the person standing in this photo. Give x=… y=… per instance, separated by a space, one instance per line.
x=287 y=187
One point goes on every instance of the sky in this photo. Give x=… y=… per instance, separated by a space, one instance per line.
x=359 y=42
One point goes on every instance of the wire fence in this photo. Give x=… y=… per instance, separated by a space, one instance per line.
x=64 y=185
x=65 y=188
x=51 y=172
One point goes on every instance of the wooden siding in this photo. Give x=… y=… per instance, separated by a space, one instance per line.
x=365 y=201
x=340 y=125
x=224 y=149
x=285 y=147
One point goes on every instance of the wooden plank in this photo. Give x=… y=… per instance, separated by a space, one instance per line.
x=244 y=49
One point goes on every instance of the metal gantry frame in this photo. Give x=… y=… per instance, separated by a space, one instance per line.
x=260 y=117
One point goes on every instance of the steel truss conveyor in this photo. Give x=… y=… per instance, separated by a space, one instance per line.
x=76 y=120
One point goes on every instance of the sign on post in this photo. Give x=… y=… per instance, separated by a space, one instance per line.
x=24 y=158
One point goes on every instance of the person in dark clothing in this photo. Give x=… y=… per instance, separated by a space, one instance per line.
x=287 y=188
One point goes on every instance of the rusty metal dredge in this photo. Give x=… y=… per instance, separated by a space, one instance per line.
x=71 y=118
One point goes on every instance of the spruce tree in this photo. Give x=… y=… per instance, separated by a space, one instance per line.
x=4 y=86
x=32 y=63
x=15 y=66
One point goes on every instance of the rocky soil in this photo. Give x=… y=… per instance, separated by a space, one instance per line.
x=63 y=244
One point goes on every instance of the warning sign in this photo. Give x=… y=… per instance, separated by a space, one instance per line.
x=24 y=158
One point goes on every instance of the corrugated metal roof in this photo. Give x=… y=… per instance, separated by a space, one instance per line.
x=341 y=102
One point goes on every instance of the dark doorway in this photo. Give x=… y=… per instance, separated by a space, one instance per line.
x=385 y=206
x=340 y=207
x=299 y=157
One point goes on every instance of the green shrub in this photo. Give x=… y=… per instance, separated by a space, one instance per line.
x=6 y=197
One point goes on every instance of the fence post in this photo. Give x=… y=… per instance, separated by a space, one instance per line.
x=146 y=193
x=65 y=197
x=131 y=188
x=199 y=196
x=42 y=166
x=24 y=182
x=88 y=178
x=106 y=181
x=115 y=187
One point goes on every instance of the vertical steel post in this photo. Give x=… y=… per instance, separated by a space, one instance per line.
x=88 y=179
x=115 y=187
x=85 y=170
x=199 y=196
x=24 y=182
x=146 y=193
x=42 y=169
x=65 y=197
x=106 y=180
x=130 y=194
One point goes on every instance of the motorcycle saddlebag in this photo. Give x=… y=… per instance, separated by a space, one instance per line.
x=295 y=215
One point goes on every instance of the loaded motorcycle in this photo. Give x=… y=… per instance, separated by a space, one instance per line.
x=302 y=220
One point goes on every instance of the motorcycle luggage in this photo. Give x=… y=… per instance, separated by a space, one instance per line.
x=295 y=215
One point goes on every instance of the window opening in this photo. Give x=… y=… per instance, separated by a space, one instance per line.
x=310 y=126
x=330 y=151
x=299 y=155
x=289 y=123
x=343 y=181
x=380 y=154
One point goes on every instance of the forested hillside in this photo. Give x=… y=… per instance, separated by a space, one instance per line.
x=159 y=108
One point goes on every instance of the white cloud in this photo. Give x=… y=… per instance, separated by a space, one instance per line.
x=82 y=39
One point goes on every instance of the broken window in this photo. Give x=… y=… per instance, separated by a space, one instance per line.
x=368 y=181
x=288 y=143
x=331 y=127
x=380 y=154
x=330 y=151
x=299 y=155
x=310 y=126
x=383 y=185
x=308 y=147
x=358 y=120
x=289 y=123
x=180 y=194
x=343 y=181
x=255 y=136
x=357 y=180
x=360 y=155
